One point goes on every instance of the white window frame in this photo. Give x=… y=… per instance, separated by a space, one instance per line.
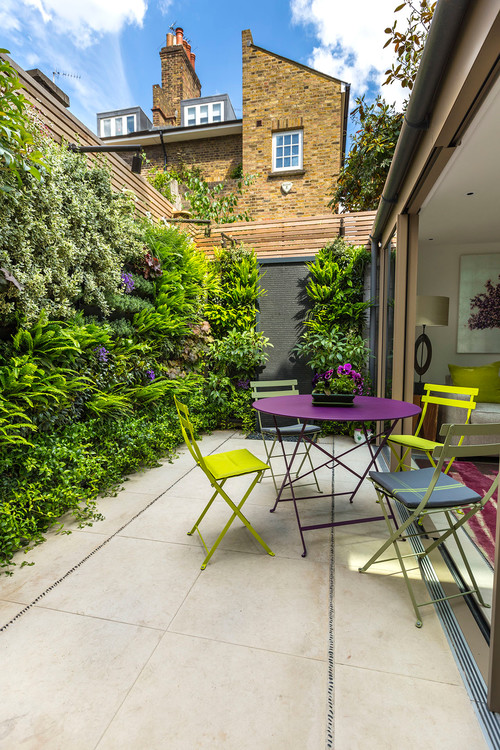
x=277 y=154
x=112 y=121
x=197 y=108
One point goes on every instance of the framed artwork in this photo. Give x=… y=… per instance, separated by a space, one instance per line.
x=479 y=304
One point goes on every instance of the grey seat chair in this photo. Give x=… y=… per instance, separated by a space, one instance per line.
x=269 y=389
x=426 y=492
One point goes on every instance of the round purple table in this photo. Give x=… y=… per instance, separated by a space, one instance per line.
x=365 y=409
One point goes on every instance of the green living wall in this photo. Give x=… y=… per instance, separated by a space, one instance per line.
x=103 y=318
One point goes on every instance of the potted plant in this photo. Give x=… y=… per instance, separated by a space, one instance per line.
x=337 y=387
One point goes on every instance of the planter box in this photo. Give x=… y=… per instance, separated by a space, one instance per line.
x=332 y=399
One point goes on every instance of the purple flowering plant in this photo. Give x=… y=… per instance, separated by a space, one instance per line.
x=344 y=379
x=102 y=354
x=127 y=282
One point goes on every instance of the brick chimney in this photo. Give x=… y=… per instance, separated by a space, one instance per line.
x=178 y=81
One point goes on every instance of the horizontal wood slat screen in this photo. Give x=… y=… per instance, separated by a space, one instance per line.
x=62 y=124
x=288 y=238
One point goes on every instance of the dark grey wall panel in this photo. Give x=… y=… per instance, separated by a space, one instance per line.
x=282 y=312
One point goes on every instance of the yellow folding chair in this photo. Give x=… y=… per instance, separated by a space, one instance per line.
x=218 y=468
x=426 y=492
x=268 y=389
x=432 y=395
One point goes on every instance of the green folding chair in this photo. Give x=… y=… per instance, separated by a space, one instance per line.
x=433 y=394
x=426 y=492
x=220 y=467
x=268 y=389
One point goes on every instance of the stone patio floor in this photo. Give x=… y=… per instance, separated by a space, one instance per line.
x=116 y=639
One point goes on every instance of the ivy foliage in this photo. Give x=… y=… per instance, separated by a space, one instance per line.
x=64 y=238
x=18 y=154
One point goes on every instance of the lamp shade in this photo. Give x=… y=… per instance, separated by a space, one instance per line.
x=432 y=311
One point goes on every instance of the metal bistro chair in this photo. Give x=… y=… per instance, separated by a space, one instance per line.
x=268 y=389
x=424 y=492
x=433 y=394
x=220 y=467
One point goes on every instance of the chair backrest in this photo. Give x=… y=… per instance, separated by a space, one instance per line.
x=439 y=394
x=270 y=388
x=188 y=433
x=447 y=450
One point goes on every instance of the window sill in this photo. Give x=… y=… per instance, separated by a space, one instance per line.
x=285 y=174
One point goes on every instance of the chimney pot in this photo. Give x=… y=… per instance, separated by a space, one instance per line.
x=193 y=58
x=170 y=40
x=179 y=35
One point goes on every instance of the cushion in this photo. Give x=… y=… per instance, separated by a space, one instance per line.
x=292 y=429
x=484 y=377
x=409 y=487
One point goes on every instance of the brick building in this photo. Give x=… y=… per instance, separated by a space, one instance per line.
x=291 y=136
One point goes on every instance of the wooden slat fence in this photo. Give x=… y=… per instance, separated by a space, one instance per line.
x=289 y=238
x=63 y=125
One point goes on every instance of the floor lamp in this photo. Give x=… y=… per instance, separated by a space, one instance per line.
x=431 y=311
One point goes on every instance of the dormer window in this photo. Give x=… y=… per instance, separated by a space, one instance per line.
x=111 y=126
x=203 y=114
x=287 y=150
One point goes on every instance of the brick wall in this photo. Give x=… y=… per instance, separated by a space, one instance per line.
x=216 y=157
x=280 y=94
x=178 y=81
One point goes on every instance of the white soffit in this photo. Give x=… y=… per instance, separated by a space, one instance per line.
x=464 y=205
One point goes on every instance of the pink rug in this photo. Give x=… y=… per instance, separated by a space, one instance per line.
x=478 y=476
x=481 y=527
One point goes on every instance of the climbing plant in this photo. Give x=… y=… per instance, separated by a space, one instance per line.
x=214 y=202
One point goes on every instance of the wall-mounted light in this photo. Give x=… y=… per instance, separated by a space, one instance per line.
x=136 y=160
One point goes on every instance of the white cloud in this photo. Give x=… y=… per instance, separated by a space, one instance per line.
x=9 y=23
x=164 y=6
x=351 y=39
x=86 y=20
x=97 y=79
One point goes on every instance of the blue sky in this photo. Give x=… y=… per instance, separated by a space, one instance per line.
x=113 y=45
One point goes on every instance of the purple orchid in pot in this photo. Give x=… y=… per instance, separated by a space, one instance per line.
x=337 y=387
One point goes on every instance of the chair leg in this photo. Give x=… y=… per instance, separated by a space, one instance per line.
x=400 y=459
x=452 y=530
x=307 y=455
x=269 y=456
x=236 y=513
x=204 y=512
x=394 y=537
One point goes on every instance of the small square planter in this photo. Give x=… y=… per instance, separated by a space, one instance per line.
x=332 y=399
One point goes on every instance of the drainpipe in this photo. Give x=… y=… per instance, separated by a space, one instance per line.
x=345 y=124
x=437 y=52
x=164 y=150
